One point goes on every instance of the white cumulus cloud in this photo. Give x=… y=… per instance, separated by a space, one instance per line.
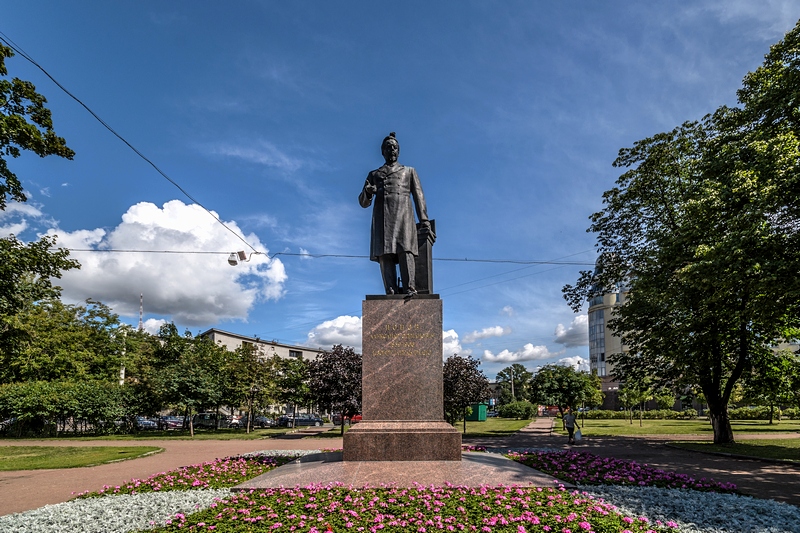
x=485 y=333
x=577 y=362
x=344 y=330
x=153 y=325
x=529 y=352
x=191 y=289
x=577 y=334
x=451 y=344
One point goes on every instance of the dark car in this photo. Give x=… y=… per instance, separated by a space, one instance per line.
x=258 y=422
x=170 y=422
x=301 y=420
x=308 y=420
x=209 y=420
x=143 y=423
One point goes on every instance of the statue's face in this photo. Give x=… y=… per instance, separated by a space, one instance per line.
x=391 y=150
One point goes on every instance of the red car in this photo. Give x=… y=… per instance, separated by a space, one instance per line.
x=337 y=419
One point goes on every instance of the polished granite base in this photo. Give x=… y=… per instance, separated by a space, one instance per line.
x=402 y=441
x=474 y=470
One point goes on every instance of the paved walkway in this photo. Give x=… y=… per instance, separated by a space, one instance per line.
x=30 y=489
x=24 y=490
x=760 y=479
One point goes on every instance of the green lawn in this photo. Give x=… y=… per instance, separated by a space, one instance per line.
x=786 y=449
x=201 y=434
x=492 y=427
x=39 y=457
x=596 y=428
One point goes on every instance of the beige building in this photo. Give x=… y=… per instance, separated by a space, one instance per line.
x=602 y=341
x=266 y=349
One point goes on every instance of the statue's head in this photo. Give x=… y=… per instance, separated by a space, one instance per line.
x=390 y=148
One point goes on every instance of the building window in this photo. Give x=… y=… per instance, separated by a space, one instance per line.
x=296 y=354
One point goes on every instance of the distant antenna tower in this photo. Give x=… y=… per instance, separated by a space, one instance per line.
x=141 y=311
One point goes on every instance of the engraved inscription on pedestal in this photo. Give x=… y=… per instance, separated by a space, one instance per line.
x=402 y=365
x=403 y=414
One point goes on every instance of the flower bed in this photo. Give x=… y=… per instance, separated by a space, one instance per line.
x=584 y=468
x=317 y=509
x=218 y=474
x=631 y=508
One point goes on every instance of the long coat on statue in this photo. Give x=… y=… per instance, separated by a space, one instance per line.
x=393 y=228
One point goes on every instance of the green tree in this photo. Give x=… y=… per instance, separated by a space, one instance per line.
x=25 y=124
x=193 y=378
x=291 y=382
x=513 y=381
x=68 y=342
x=562 y=386
x=773 y=382
x=26 y=270
x=26 y=273
x=249 y=380
x=464 y=384
x=335 y=381
x=690 y=232
x=635 y=394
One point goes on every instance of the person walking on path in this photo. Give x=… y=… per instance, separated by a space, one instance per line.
x=569 y=423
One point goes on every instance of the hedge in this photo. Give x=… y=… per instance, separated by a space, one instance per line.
x=655 y=414
x=47 y=408
x=521 y=410
x=759 y=412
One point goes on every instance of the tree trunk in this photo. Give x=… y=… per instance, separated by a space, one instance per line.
x=191 y=424
x=771 y=413
x=723 y=434
x=465 y=421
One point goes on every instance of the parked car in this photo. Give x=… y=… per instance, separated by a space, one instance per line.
x=170 y=422
x=209 y=420
x=491 y=414
x=337 y=419
x=258 y=422
x=308 y=420
x=301 y=420
x=145 y=424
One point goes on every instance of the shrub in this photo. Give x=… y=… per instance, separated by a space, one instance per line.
x=760 y=412
x=520 y=410
x=43 y=408
x=792 y=413
x=655 y=414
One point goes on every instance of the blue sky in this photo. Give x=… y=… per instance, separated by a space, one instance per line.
x=271 y=114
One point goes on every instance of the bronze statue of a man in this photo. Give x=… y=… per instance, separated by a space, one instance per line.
x=394 y=232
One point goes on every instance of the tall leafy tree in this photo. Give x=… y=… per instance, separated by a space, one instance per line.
x=704 y=227
x=63 y=341
x=249 y=380
x=291 y=381
x=773 y=382
x=562 y=386
x=335 y=381
x=25 y=124
x=26 y=270
x=464 y=384
x=192 y=377
x=513 y=381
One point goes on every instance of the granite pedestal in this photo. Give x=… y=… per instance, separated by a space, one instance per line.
x=403 y=411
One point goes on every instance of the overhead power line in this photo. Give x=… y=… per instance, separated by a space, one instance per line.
x=8 y=42
x=339 y=256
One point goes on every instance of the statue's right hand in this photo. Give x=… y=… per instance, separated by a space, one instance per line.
x=371 y=189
